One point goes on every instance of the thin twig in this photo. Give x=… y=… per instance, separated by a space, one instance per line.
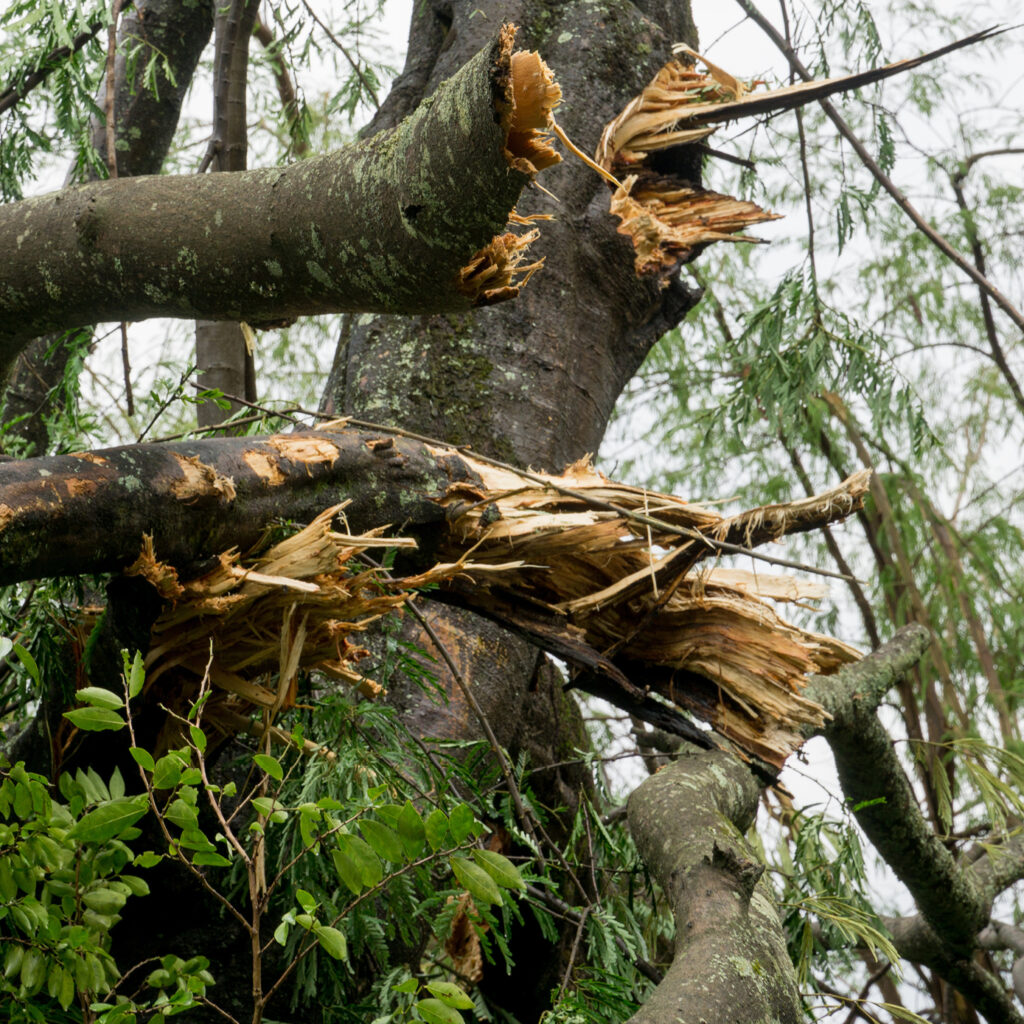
x=341 y=46
x=19 y=90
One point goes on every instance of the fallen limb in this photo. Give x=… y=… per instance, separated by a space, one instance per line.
x=568 y=560
x=382 y=225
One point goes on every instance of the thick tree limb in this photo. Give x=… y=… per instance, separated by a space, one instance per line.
x=730 y=959
x=384 y=225
x=528 y=550
x=874 y=782
x=145 y=118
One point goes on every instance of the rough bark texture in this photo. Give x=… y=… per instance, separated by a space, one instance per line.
x=731 y=962
x=869 y=769
x=144 y=123
x=532 y=381
x=75 y=514
x=382 y=225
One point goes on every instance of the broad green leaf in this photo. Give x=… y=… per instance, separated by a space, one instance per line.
x=433 y=1011
x=270 y=765
x=198 y=737
x=408 y=986
x=473 y=877
x=461 y=823
x=305 y=900
x=436 y=828
x=371 y=871
x=98 y=697
x=450 y=994
x=104 y=901
x=348 y=871
x=207 y=859
x=143 y=758
x=411 y=830
x=332 y=941
x=500 y=868
x=182 y=814
x=109 y=819
x=167 y=773
x=385 y=841
x=95 y=719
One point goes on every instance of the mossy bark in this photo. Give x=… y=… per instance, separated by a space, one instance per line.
x=383 y=225
x=730 y=962
x=532 y=381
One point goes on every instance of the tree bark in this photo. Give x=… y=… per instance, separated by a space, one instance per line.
x=384 y=225
x=145 y=119
x=532 y=382
x=730 y=962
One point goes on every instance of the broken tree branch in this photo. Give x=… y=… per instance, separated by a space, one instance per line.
x=369 y=228
x=527 y=550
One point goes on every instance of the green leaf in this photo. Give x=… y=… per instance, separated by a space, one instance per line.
x=385 y=841
x=348 y=871
x=167 y=773
x=28 y=662
x=270 y=765
x=269 y=808
x=143 y=758
x=450 y=994
x=208 y=859
x=408 y=986
x=411 y=830
x=436 y=828
x=332 y=941
x=371 y=871
x=98 y=697
x=473 y=877
x=305 y=900
x=95 y=719
x=462 y=822
x=181 y=814
x=104 y=901
x=433 y=1011
x=135 y=673
x=110 y=819
x=500 y=868
x=198 y=737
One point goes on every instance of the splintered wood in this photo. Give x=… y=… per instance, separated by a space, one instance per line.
x=705 y=639
x=294 y=607
x=620 y=581
x=530 y=94
x=666 y=218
